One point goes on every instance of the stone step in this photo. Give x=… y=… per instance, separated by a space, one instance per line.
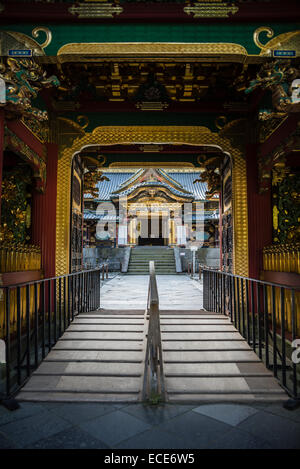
x=204 y=327
x=201 y=314
x=212 y=335
x=222 y=385
x=100 y=345
x=89 y=369
x=107 y=385
x=211 y=345
x=152 y=258
x=153 y=255
x=161 y=265
x=158 y=261
x=110 y=321
x=158 y=269
x=124 y=328
x=210 y=356
x=95 y=355
x=146 y=267
x=192 y=321
x=215 y=369
x=118 y=338
x=31 y=396
x=146 y=263
x=141 y=265
x=147 y=273
x=110 y=315
x=234 y=397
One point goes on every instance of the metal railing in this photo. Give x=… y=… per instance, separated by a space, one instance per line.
x=154 y=386
x=266 y=314
x=34 y=316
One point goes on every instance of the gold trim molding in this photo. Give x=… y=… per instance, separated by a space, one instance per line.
x=207 y=52
x=95 y=10
x=211 y=10
x=111 y=135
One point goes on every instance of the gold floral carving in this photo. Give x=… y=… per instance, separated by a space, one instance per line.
x=110 y=135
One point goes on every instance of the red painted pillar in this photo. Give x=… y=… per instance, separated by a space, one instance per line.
x=259 y=214
x=1 y=150
x=44 y=214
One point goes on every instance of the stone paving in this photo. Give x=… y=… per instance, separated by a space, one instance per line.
x=176 y=292
x=167 y=426
x=133 y=426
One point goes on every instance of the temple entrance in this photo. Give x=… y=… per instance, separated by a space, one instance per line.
x=154 y=230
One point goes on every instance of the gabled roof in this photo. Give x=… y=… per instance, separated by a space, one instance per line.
x=153 y=177
x=179 y=183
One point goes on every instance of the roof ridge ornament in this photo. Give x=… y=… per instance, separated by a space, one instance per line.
x=36 y=32
x=270 y=34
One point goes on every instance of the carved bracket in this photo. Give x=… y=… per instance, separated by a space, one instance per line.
x=23 y=79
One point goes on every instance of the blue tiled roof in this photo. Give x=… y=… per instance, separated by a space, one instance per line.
x=90 y=215
x=184 y=180
x=107 y=187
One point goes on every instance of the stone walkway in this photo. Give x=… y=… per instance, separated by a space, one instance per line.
x=129 y=292
x=100 y=425
x=123 y=426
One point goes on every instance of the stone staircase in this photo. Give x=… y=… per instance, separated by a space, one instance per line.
x=99 y=358
x=162 y=256
x=207 y=360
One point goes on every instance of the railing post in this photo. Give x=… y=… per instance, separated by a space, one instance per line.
x=19 y=326
x=283 y=351
x=274 y=332
x=294 y=332
x=153 y=373
x=7 y=341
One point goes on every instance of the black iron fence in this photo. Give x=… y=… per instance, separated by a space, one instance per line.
x=34 y=315
x=266 y=314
